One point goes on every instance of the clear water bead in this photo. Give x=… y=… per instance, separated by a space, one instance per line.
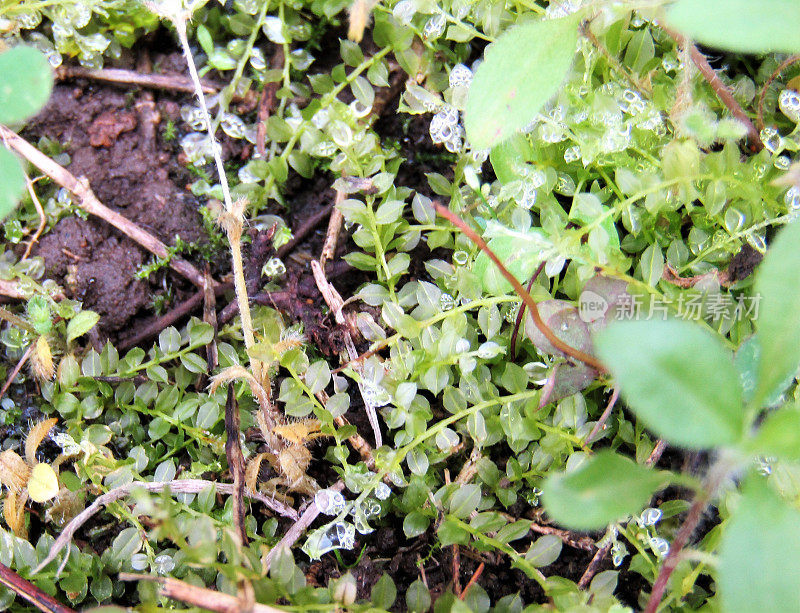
x=660 y=546
x=164 y=564
x=446 y=302
x=273 y=268
x=273 y=29
x=257 y=59
x=329 y=502
x=232 y=125
x=572 y=154
x=460 y=76
x=792 y=198
x=782 y=162
x=789 y=103
x=434 y=26
x=460 y=257
x=382 y=491
x=404 y=11
x=139 y=561
x=772 y=140
x=193 y=116
x=341 y=535
x=650 y=516
x=29 y=19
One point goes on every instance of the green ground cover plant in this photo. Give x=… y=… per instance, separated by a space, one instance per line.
x=559 y=373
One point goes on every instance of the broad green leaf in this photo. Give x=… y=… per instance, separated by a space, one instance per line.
x=759 y=565
x=652 y=264
x=12 y=182
x=779 y=435
x=746 y=359
x=778 y=286
x=522 y=70
x=465 y=500
x=81 y=324
x=25 y=83
x=384 y=592
x=605 y=488
x=519 y=251
x=509 y=157
x=750 y=26
x=678 y=379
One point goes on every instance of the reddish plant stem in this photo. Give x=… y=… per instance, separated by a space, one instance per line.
x=27 y=590
x=604 y=417
x=591 y=570
x=720 y=89
x=763 y=94
x=521 y=313
x=472 y=581
x=526 y=297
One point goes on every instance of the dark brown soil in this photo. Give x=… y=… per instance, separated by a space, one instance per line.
x=112 y=139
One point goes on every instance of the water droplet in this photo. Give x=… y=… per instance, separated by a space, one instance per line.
x=462 y=345
x=552 y=133
x=782 y=162
x=650 y=516
x=257 y=59
x=460 y=257
x=489 y=350
x=29 y=19
x=382 y=491
x=139 y=561
x=511 y=314
x=434 y=26
x=772 y=140
x=757 y=241
x=273 y=268
x=572 y=154
x=460 y=76
x=301 y=59
x=792 y=198
x=404 y=11
x=232 y=125
x=659 y=545
x=329 y=502
x=565 y=185
x=562 y=8
x=446 y=302
x=789 y=103
x=247 y=176
x=341 y=535
x=669 y=64
x=163 y=564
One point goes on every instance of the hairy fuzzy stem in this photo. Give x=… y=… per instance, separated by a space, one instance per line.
x=233 y=224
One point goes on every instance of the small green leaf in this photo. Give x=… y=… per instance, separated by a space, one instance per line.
x=678 y=379
x=778 y=286
x=317 y=376
x=383 y=592
x=544 y=551
x=12 y=182
x=81 y=324
x=465 y=500
x=605 y=488
x=418 y=597
x=205 y=40
x=749 y=26
x=522 y=70
x=652 y=264
x=759 y=569
x=25 y=83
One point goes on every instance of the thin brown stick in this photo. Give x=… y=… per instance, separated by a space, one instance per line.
x=334 y=227
x=16 y=370
x=763 y=94
x=267 y=101
x=570 y=538
x=201 y=597
x=655 y=455
x=89 y=202
x=27 y=590
x=233 y=451
x=472 y=581
x=604 y=417
x=720 y=89
x=521 y=312
x=594 y=565
x=180 y=486
x=172 y=82
x=298 y=528
x=526 y=297
x=42 y=218
x=457 y=571
x=10 y=289
x=167 y=319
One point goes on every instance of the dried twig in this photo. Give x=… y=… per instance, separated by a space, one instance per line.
x=763 y=94
x=180 y=486
x=720 y=89
x=472 y=581
x=297 y=529
x=31 y=593
x=594 y=565
x=210 y=317
x=89 y=202
x=201 y=597
x=457 y=572
x=304 y=230
x=42 y=218
x=604 y=417
x=526 y=297
x=334 y=227
x=335 y=303
x=570 y=538
x=17 y=368
x=655 y=455
x=233 y=451
x=173 y=82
